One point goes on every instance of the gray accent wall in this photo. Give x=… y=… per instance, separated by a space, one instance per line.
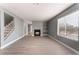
x=52 y=27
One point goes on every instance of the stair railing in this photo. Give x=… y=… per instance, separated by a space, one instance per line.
x=9 y=29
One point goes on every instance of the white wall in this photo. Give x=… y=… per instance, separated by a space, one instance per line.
x=37 y=25
x=17 y=33
x=2 y=26
x=0 y=29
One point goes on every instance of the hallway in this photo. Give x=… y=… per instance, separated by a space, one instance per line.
x=36 y=46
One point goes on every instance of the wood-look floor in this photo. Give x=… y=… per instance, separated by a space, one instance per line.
x=36 y=46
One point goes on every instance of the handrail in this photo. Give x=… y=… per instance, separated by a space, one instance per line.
x=9 y=24
x=8 y=34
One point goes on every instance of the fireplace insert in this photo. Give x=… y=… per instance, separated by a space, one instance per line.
x=37 y=32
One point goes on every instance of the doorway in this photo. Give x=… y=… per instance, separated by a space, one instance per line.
x=29 y=29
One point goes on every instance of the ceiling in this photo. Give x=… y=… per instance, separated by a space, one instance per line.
x=36 y=11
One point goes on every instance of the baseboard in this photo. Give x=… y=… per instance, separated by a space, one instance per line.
x=77 y=52
x=12 y=42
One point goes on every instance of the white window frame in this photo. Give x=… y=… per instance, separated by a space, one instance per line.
x=77 y=12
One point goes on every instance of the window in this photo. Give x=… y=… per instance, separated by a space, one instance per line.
x=68 y=26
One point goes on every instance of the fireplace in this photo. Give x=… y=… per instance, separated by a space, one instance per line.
x=37 y=32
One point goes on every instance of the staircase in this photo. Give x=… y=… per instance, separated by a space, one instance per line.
x=8 y=29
